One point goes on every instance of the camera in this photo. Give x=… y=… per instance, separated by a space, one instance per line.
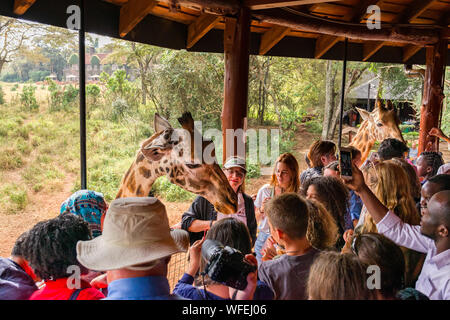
x=226 y=265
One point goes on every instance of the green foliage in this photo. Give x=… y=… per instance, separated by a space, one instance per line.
x=121 y=96
x=2 y=96
x=95 y=60
x=28 y=97
x=39 y=75
x=170 y=192
x=313 y=126
x=10 y=77
x=62 y=97
x=253 y=171
x=73 y=59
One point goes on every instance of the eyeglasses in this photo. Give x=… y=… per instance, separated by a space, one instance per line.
x=237 y=172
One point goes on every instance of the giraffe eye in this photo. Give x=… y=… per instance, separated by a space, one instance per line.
x=192 y=166
x=379 y=124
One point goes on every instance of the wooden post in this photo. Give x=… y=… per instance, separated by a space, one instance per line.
x=236 y=47
x=433 y=94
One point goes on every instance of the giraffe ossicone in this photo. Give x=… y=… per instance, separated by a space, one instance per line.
x=178 y=154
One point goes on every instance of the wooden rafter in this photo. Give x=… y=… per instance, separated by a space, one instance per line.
x=409 y=51
x=369 y=49
x=413 y=11
x=220 y=7
x=269 y=4
x=325 y=43
x=272 y=37
x=200 y=27
x=21 y=6
x=360 y=11
x=132 y=13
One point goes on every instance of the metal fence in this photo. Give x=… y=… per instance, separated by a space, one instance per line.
x=177 y=266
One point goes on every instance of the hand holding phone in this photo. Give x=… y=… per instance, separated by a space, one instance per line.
x=345 y=162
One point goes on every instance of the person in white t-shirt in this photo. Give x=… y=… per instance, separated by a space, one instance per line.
x=285 y=178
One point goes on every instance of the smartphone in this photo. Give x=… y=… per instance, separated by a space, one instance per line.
x=345 y=162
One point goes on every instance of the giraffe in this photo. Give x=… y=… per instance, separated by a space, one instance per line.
x=380 y=124
x=166 y=152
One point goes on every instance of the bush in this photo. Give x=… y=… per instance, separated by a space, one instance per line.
x=39 y=75
x=2 y=95
x=119 y=109
x=11 y=77
x=62 y=98
x=28 y=98
x=70 y=95
x=253 y=171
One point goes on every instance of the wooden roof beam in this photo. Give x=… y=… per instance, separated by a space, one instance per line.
x=270 y=38
x=369 y=49
x=21 y=6
x=132 y=13
x=269 y=4
x=416 y=9
x=219 y=7
x=325 y=43
x=359 y=12
x=409 y=51
x=200 y=27
x=410 y=35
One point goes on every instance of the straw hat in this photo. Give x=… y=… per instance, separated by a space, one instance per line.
x=135 y=231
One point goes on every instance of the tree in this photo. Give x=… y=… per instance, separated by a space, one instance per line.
x=13 y=34
x=333 y=93
x=140 y=56
x=73 y=59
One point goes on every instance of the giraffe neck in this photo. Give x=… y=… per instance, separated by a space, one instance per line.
x=138 y=180
x=363 y=140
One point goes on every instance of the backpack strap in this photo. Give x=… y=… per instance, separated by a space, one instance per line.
x=74 y=295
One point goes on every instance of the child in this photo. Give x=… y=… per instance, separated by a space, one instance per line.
x=290 y=221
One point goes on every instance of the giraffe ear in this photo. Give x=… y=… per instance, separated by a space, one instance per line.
x=365 y=115
x=389 y=105
x=161 y=124
x=187 y=122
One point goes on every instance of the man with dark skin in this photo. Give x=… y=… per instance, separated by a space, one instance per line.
x=435 y=184
x=431 y=237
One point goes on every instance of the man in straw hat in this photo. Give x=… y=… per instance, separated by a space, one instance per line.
x=134 y=249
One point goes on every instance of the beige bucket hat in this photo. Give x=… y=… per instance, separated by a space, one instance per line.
x=135 y=231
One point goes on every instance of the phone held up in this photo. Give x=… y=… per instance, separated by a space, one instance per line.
x=345 y=162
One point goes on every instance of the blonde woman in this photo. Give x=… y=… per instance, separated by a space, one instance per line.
x=285 y=178
x=392 y=186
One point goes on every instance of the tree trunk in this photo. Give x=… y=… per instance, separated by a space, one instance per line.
x=329 y=100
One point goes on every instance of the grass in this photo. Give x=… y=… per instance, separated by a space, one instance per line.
x=13 y=198
x=41 y=148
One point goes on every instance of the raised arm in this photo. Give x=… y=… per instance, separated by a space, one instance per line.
x=375 y=208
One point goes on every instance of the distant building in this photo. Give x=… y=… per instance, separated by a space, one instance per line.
x=96 y=63
x=364 y=96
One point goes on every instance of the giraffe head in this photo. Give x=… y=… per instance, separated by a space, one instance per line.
x=176 y=154
x=382 y=122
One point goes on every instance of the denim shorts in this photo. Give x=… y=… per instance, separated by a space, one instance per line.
x=259 y=243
